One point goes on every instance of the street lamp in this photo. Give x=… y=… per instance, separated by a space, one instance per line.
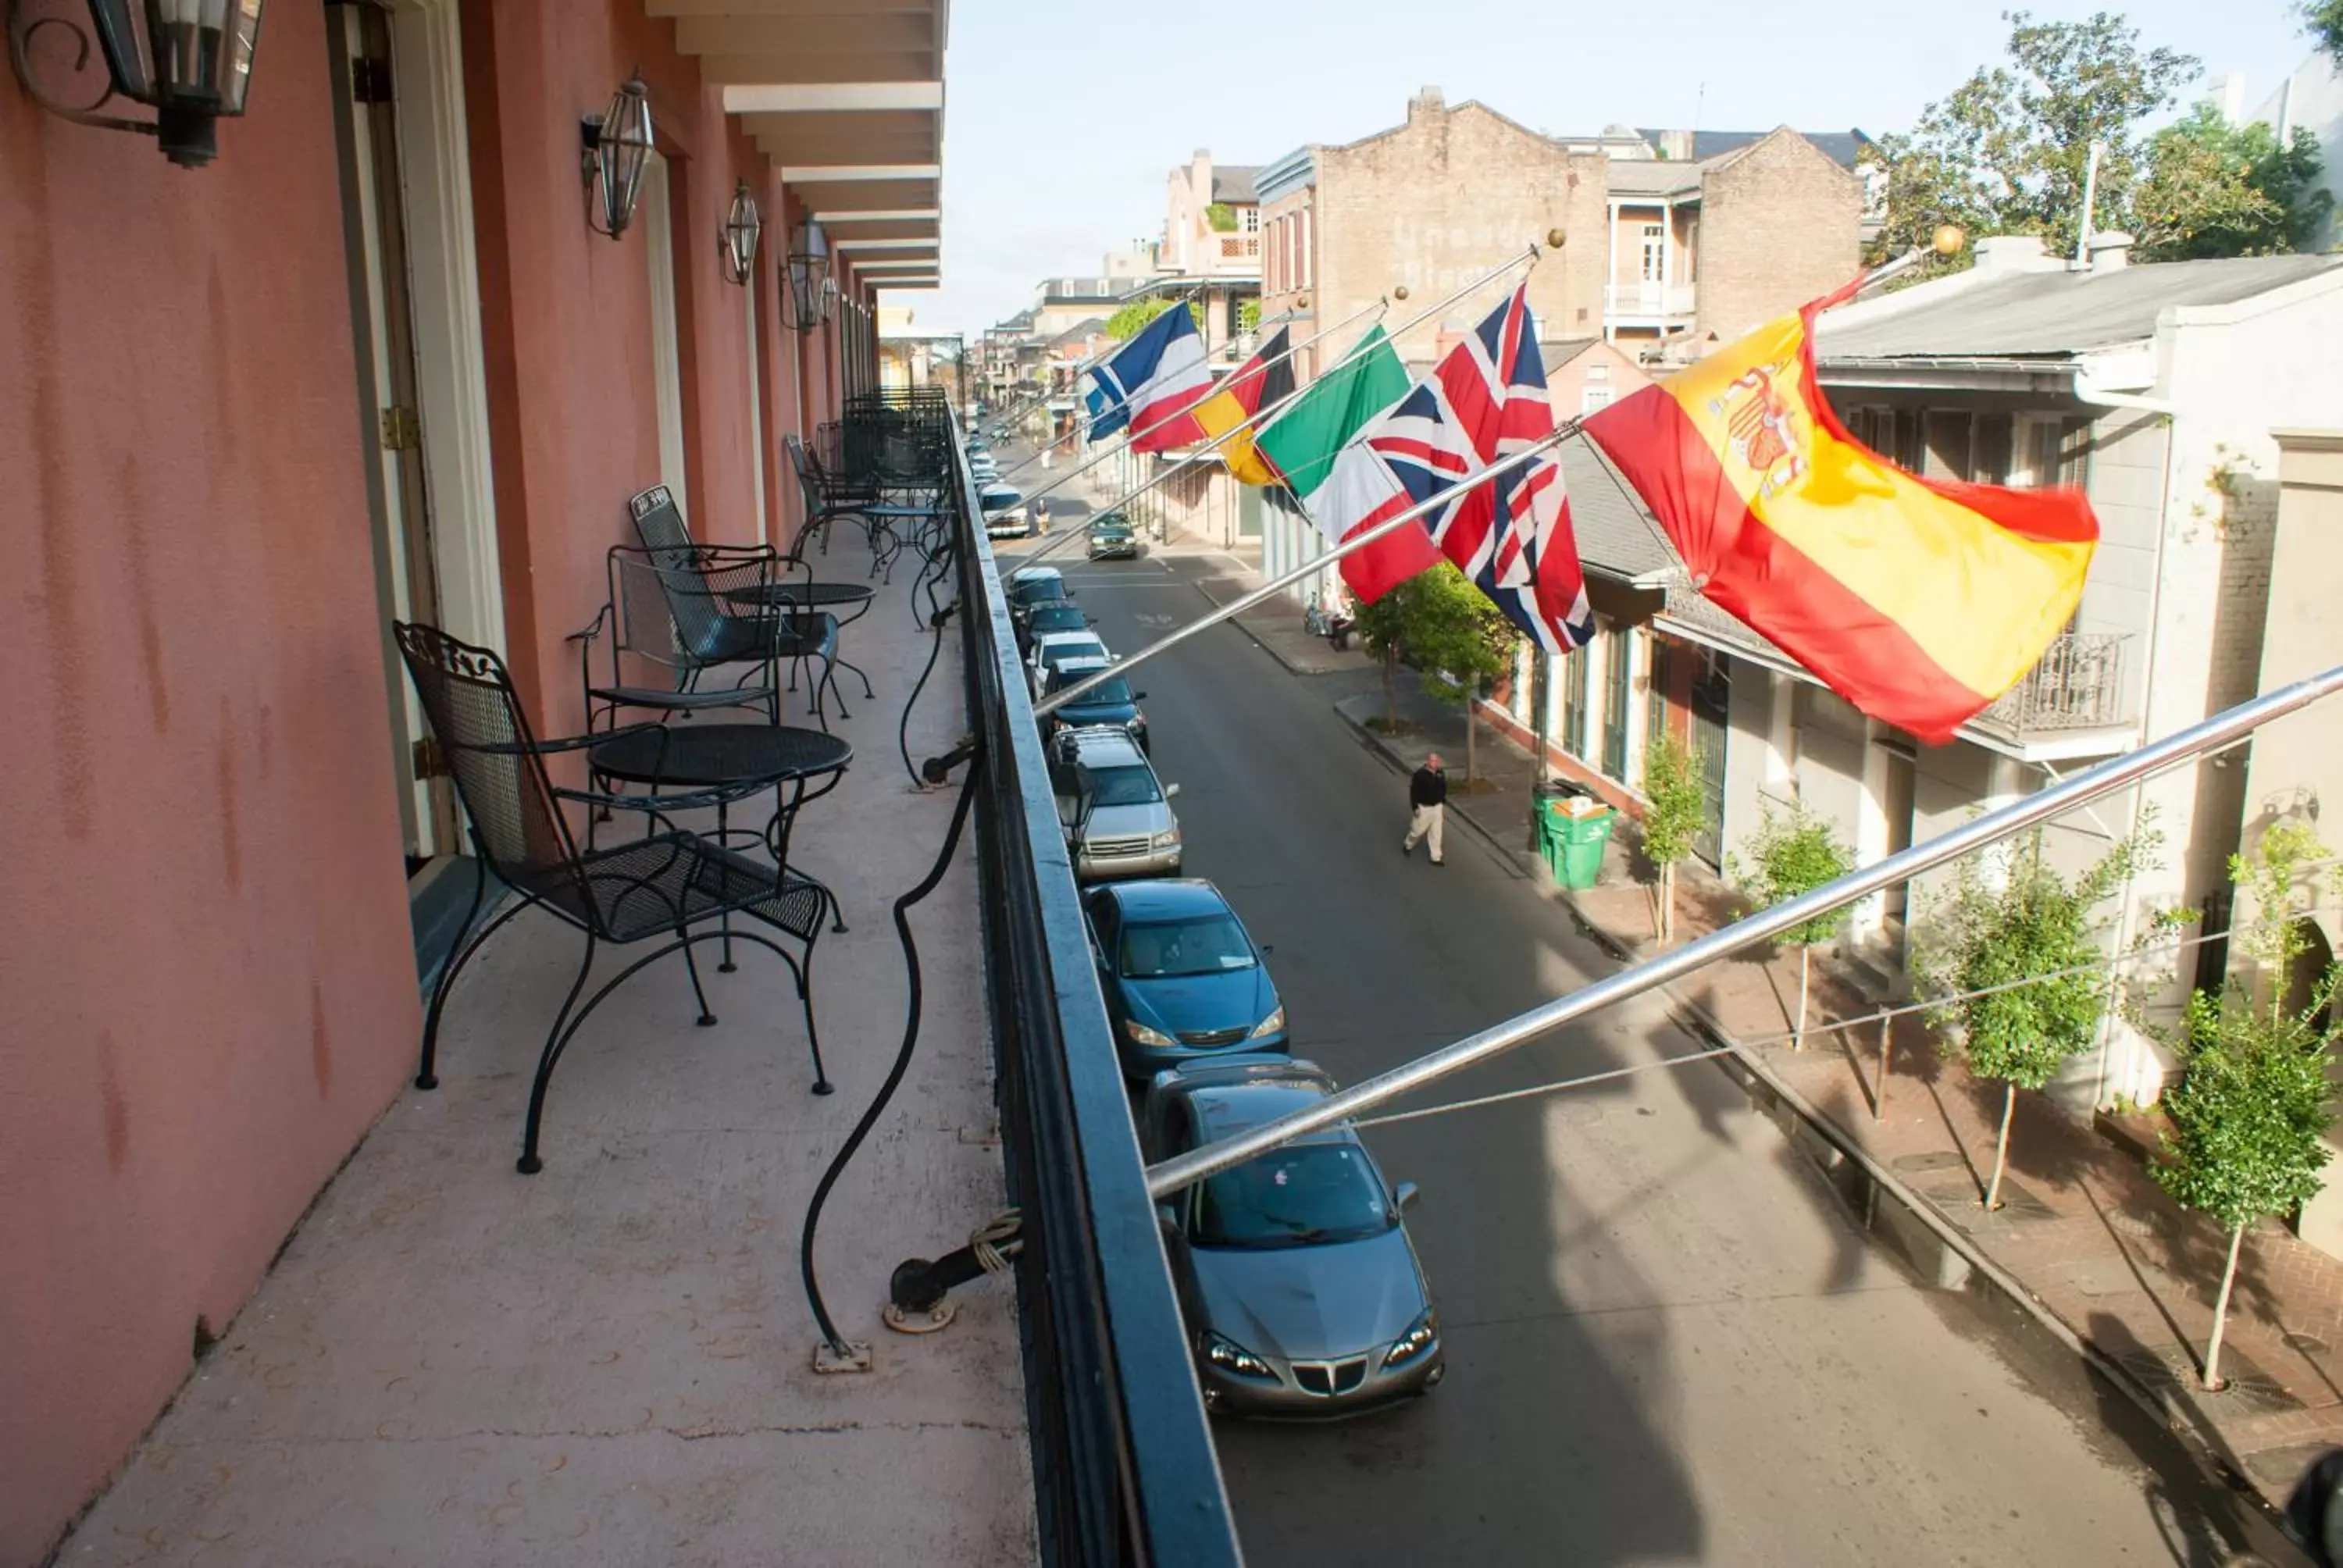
x=738 y=245
x=190 y=61
x=619 y=146
x=809 y=290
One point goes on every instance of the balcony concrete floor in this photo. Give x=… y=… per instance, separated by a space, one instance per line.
x=611 y=1361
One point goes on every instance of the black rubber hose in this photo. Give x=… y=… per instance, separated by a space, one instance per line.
x=902 y=1057
x=903 y=728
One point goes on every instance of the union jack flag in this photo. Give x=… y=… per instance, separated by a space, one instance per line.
x=1511 y=535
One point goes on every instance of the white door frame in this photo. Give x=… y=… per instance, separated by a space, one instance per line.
x=451 y=366
x=655 y=217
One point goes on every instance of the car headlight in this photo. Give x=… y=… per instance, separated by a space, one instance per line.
x=1142 y=1035
x=1230 y=1356
x=1138 y=721
x=1169 y=841
x=1421 y=1336
x=1270 y=1025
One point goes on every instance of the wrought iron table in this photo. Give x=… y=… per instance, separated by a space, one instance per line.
x=809 y=598
x=691 y=757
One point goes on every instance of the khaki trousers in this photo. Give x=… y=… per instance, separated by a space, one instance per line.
x=1426 y=823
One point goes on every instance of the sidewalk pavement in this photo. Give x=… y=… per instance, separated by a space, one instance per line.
x=2092 y=1239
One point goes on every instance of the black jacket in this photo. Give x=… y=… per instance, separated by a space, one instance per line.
x=1428 y=787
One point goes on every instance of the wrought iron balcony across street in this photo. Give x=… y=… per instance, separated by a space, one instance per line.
x=2078 y=685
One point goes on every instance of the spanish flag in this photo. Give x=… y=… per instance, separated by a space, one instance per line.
x=1918 y=600
x=1260 y=381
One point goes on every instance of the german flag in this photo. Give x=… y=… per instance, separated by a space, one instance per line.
x=1260 y=381
x=1918 y=600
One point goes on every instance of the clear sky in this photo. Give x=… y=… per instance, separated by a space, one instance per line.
x=1064 y=117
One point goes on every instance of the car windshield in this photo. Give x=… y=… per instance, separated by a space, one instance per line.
x=1293 y=1197
x=1133 y=785
x=1034 y=590
x=1165 y=949
x=1112 y=691
x=1058 y=618
x=998 y=500
x=1057 y=654
x=1110 y=526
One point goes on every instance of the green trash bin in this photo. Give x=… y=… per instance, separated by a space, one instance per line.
x=1582 y=840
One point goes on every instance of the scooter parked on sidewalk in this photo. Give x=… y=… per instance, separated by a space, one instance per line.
x=1335 y=627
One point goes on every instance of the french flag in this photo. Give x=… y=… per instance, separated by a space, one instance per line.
x=1150 y=381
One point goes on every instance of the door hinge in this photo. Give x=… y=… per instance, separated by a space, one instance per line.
x=401 y=430
x=430 y=763
x=369 y=80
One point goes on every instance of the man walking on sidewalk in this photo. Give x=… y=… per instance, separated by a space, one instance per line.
x=1427 y=795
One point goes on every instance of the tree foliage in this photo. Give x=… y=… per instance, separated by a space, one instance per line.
x=1457 y=639
x=1990 y=932
x=2007 y=152
x=1221 y=217
x=2250 y=1112
x=1249 y=314
x=1793 y=852
x=2323 y=20
x=2216 y=189
x=1130 y=319
x=1674 y=810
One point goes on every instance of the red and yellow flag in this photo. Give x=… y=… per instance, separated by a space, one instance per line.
x=1918 y=600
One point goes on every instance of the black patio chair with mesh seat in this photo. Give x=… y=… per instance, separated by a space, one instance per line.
x=636 y=624
x=730 y=600
x=663 y=885
x=832 y=493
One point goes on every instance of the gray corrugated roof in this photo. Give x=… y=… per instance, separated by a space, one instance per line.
x=2059 y=312
x=1843 y=147
x=1616 y=537
x=1652 y=176
x=1234 y=182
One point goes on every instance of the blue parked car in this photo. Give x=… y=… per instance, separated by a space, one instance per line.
x=1183 y=977
x=1110 y=703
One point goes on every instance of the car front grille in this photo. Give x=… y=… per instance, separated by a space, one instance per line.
x=1113 y=848
x=1215 y=1036
x=1327 y=1379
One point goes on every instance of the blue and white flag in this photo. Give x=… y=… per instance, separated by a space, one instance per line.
x=1152 y=379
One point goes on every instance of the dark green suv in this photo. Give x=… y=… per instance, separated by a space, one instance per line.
x=1112 y=538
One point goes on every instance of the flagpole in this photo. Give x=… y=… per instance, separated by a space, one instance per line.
x=1268 y=411
x=1349 y=546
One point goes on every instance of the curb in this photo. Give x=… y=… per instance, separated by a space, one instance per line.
x=1289 y=668
x=1762 y=1084
x=1480 y=829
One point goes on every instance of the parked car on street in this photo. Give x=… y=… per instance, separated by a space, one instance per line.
x=1183 y=978
x=1112 y=538
x=1116 y=813
x=1004 y=510
x=1110 y=702
x=1031 y=586
x=1048 y=616
x=1301 y=1291
x=1055 y=649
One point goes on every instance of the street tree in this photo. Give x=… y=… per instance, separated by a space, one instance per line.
x=2009 y=150
x=2250 y=1113
x=2215 y=189
x=1382 y=624
x=2015 y=961
x=1792 y=853
x=1457 y=639
x=1673 y=810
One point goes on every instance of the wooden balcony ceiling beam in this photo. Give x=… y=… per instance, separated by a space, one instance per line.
x=890 y=229
x=848 y=32
x=869 y=196
x=826 y=69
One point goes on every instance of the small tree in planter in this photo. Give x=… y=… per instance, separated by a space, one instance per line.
x=1382 y=623
x=1987 y=937
x=2251 y=1110
x=1674 y=811
x=1792 y=854
x=1459 y=639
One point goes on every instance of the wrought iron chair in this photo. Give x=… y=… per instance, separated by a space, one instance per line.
x=661 y=885
x=727 y=604
x=636 y=622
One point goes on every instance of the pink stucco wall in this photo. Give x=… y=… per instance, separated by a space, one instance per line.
x=206 y=983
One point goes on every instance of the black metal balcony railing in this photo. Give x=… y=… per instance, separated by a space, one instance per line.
x=2077 y=685
x=1124 y=1471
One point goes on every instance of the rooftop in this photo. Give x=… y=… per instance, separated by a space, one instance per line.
x=1233 y=183
x=2051 y=312
x=1843 y=148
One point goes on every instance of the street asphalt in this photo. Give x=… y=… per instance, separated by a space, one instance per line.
x=1667 y=1340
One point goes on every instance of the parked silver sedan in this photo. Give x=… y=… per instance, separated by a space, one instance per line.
x=1301 y=1291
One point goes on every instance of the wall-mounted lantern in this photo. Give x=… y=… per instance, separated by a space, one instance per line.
x=617 y=147
x=190 y=61
x=737 y=245
x=809 y=291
